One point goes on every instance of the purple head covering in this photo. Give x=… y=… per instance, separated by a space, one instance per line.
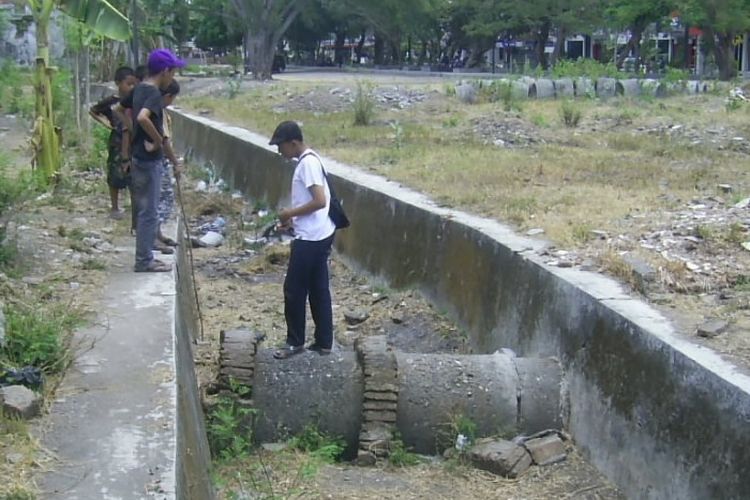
x=161 y=59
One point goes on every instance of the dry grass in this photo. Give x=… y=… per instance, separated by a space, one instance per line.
x=590 y=177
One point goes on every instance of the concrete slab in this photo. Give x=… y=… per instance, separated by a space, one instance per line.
x=113 y=425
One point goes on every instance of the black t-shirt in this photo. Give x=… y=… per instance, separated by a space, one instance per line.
x=145 y=96
x=104 y=108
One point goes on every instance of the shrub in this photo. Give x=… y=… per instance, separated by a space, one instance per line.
x=570 y=113
x=363 y=105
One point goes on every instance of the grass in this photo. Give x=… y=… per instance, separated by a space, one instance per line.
x=575 y=180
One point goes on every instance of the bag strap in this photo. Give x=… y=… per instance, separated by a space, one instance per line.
x=322 y=167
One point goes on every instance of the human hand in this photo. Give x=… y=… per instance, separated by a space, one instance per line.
x=177 y=170
x=150 y=147
x=125 y=166
x=284 y=216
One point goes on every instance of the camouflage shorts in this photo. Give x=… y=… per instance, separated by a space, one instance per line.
x=166 y=194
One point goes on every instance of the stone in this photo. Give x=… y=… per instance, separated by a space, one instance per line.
x=20 y=401
x=356 y=316
x=535 y=231
x=14 y=458
x=466 y=93
x=365 y=458
x=32 y=280
x=381 y=396
x=380 y=405
x=712 y=328
x=397 y=318
x=642 y=270
x=546 y=450
x=500 y=457
x=274 y=447
x=211 y=239
x=725 y=188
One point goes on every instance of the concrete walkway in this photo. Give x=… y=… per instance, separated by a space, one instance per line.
x=112 y=426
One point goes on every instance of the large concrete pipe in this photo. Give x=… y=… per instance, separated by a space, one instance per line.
x=628 y=88
x=489 y=390
x=606 y=87
x=564 y=87
x=585 y=87
x=308 y=389
x=545 y=89
x=363 y=396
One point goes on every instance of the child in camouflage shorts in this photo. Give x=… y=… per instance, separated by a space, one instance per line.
x=169 y=166
x=117 y=177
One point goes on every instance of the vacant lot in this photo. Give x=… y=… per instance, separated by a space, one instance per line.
x=654 y=185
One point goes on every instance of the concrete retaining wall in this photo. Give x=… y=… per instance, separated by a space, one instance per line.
x=193 y=454
x=661 y=417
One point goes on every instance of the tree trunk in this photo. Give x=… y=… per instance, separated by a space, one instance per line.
x=261 y=55
x=634 y=44
x=379 y=49
x=541 y=42
x=86 y=90
x=396 y=55
x=360 y=46
x=77 y=87
x=559 y=50
x=45 y=136
x=339 y=47
x=724 y=49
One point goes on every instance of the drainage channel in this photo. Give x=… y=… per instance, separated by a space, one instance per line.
x=661 y=417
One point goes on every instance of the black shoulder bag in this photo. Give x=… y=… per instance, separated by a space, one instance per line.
x=335 y=208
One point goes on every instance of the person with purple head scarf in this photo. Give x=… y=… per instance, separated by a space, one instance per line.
x=147 y=153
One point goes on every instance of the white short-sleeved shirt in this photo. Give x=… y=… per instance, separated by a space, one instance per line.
x=317 y=225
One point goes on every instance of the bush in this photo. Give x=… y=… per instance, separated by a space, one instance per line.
x=319 y=444
x=37 y=337
x=582 y=67
x=229 y=434
x=399 y=455
x=363 y=105
x=570 y=113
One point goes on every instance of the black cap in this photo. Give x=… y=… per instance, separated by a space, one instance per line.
x=285 y=132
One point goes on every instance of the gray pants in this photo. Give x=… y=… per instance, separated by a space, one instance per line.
x=146 y=183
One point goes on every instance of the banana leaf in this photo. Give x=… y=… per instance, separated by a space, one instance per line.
x=99 y=15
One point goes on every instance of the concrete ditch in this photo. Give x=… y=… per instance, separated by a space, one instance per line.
x=661 y=417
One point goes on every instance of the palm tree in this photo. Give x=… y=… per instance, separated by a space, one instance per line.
x=102 y=18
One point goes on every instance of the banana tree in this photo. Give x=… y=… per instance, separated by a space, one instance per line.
x=102 y=18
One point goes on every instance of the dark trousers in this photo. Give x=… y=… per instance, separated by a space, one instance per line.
x=146 y=182
x=307 y=275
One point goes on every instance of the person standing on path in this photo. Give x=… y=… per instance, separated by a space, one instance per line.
x=307 y=274
x=148 y=155
x=117 y=176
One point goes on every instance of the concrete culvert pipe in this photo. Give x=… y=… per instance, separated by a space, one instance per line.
x=499 y=393
x=488 y=390
x=545 y=89
x=628 y=88
x=606 y=87
x=585 y=87
x=564 y=87
x=307 y=388
x=524 y=88
x=654 y=88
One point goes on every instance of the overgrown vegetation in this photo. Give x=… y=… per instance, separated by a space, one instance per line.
x=38 y=337
x=364 y=104
x=584 y=68
x=570 y=113
x=319 y=444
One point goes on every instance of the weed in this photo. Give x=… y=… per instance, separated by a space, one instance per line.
x=229 y=433
x=398 y=134
x=93 y=265
x=364 y=104
x=238 y=388
x=318 y=443
x=539 y=120
x=733 y=104
x=676 y=75
x=570 y=113
x=736 y=233
x=450 y=122
x=584 y=67
x=704 y=232
x=19 y=493
x=613 y=263
x=233 y=87
x=450 y=90
x=399 y=455
x=38 y=337
x=742 y=283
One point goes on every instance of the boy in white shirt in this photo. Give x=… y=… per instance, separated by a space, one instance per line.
x=307 y=274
